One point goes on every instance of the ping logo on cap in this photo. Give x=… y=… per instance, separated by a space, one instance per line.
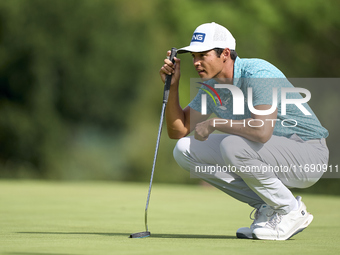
x=198 y=37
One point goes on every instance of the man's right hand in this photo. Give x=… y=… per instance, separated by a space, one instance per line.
x=169 y=68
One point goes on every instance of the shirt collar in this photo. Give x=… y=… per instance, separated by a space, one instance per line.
x=237 y=72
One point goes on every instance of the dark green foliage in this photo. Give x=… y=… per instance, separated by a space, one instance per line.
x=80 y=94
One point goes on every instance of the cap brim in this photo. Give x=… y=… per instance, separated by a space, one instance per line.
x=193 y=48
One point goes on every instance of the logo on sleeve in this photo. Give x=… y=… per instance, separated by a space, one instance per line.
x=198 y=37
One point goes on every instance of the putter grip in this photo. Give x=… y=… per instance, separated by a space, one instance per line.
x=168 y=77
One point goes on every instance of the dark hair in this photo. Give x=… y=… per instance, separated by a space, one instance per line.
x=233 y=53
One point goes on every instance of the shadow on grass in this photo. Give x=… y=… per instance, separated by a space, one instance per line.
x=32 y=253
x=182 y=236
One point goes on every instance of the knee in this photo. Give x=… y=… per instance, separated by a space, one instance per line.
x=181 y=151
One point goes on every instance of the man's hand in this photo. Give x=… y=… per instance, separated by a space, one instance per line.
x=169 y=68
x=204 y=129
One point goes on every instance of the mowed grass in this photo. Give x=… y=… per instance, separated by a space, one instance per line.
x=98 y=217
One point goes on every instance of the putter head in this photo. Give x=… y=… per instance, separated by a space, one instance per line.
x=140 y=234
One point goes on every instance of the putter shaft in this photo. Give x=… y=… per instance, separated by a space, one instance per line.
x=154 y=164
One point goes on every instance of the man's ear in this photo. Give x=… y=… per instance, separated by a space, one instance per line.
x=226 y=54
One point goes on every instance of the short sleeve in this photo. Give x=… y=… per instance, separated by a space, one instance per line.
x=197 y=102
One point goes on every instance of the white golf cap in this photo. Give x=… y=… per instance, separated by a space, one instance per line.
x=209 y=36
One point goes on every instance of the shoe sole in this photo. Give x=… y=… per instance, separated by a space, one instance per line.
x=243 y=236
x=305 y=225
x=300 y=229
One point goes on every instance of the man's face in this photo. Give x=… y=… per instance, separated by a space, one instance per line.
x=207 y=64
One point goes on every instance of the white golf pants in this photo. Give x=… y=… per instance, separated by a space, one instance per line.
x=255 y=173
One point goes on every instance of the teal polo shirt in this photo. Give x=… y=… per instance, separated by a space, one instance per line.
x=262 y=77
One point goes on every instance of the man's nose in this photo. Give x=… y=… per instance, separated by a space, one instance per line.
x=197 y=62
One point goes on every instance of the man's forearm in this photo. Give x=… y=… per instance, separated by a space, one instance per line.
x=175 y=115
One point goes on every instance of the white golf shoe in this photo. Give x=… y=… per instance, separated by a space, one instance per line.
x=260 y=219
x=283 y=227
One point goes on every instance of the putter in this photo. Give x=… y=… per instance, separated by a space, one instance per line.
x=167 y=83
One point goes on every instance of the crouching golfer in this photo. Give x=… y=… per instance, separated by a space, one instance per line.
x=265 y=134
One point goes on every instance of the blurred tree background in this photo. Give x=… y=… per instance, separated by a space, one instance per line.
x=80 y=93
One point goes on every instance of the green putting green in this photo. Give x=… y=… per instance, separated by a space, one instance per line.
x=98 y=217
